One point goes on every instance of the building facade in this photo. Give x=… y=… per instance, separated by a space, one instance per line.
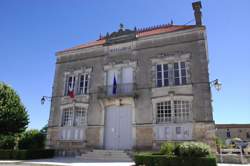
x=229 y=131
x=133 y=89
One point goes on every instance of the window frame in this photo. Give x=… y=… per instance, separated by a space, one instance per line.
x=180 y=111
x=80 y=120
x=73 y=120
x=69 y=119
x=84 y=90
x=76 y=82
x=66 y=83
x=172 y=72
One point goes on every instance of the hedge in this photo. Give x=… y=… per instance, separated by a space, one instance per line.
x=25 y=154
x=164 y=160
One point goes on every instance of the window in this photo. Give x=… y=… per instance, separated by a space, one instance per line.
x=164 y=71
x=76 y=84
x=162 y=75
x=164 y=112
x=69 y=84
x=181 y=110
x=183 y=73
x=119 y=81
x=73 y=120
x=74 y=116
x=67 y=119
x=80 y=116
x=83 y=81
x=173 y=111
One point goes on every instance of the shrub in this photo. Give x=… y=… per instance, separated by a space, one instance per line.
x=7 y=141
x=220 y=142
x=167 y=148
x=163 y=160
x=26 y=154
x=31 y=139
x=192 y=149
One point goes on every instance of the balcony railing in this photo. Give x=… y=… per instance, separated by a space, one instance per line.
x=117 y=90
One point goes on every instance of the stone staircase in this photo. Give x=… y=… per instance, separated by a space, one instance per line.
x=106 y=155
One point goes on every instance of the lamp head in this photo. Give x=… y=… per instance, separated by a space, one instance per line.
x=42 y=100
x=217 y=85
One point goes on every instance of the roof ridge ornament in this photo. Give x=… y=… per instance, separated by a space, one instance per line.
x=121 y=36
x=122 y=27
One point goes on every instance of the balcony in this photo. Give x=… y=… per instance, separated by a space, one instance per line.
x=119 y=90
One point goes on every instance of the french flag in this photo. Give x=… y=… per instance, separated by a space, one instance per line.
x=71 y=92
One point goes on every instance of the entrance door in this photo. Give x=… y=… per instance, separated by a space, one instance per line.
x=118 y=127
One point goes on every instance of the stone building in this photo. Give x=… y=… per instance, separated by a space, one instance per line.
x=133 y=89
x=228 y=131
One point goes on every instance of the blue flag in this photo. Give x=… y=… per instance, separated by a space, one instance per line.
x=114 y=85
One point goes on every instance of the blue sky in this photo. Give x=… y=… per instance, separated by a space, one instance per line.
x=31 y=31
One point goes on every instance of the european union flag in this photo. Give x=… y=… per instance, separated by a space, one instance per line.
x=114 y=86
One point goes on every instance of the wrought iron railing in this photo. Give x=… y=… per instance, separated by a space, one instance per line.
x=117 y=90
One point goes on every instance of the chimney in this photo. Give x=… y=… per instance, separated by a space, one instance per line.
x=197 y=12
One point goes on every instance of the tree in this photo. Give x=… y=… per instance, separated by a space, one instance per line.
x=44 y=130
x=13 y=116
x=31 y=139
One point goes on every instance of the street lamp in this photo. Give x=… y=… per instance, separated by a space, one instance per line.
x=44 y=98
x=216 y=83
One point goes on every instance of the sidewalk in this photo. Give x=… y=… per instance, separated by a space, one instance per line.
x=74 y=162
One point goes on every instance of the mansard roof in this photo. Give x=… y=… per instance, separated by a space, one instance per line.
x=124 y=35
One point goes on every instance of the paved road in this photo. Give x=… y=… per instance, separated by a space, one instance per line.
x=75 y=162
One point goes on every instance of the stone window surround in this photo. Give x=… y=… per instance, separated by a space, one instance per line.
x=73 y=128
x=76 y=73
x=171 y=59
x=119 y=67
x=171 y=98
x=72 y=105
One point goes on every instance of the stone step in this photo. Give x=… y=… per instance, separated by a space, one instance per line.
x=108 y=151
x=105 y=155
x=105 y=159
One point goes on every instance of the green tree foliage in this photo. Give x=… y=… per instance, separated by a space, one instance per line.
x=44 y=130
x=31 y=139
x=13 y=116
x=7 y=141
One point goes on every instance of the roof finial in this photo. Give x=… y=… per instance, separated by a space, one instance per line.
x=107 y=34
x=121 y=27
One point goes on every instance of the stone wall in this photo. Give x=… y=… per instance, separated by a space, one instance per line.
x=144 y=138
x=93 y=137
x=205 y=132
x=236 y=130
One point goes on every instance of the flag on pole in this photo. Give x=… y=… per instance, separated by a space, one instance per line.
x=114 y=85
x=71 y=92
